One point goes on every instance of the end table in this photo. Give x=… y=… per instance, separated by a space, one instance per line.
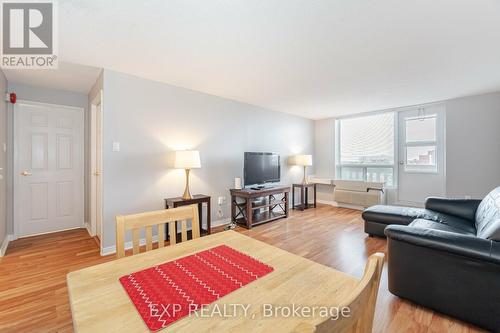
x=304 y=196
x=198 y=199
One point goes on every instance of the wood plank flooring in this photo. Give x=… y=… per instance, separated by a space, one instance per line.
x=33 y=294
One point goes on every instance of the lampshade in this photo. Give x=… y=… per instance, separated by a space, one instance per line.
x=304 y=160
x=187 y=159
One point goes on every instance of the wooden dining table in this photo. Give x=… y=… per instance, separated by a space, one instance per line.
x=99 y=303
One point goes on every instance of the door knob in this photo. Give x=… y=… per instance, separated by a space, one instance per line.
x=97 y=173
x=401 y=162
x=26 y=173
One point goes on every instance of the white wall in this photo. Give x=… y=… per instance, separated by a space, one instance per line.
x=36 y=94
x=324 y=156
x=472 y=147
x=151 y=119
x=3 y=159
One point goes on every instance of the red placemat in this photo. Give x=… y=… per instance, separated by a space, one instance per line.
x=168 y=292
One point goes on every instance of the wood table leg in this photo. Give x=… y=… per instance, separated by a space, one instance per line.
x=314 y=195
x=249 y=213
x=302 y=198
x=200 y=215
x=209 y=218
x=233 y=209
x=306 y=201
x=287 y=205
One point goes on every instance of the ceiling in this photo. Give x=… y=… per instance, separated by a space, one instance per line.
x=316 y=59
x=70 y=77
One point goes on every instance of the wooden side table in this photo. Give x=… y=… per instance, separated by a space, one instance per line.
x=198 y=199
x=304 y=196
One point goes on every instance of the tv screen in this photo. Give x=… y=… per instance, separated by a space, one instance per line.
x=261 y=168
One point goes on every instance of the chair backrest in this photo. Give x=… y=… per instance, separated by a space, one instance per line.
x=159 y=218
x=361 y=302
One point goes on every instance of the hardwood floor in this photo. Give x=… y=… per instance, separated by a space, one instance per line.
x=33 y=294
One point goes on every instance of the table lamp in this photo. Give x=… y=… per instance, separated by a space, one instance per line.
x=305 y=161
x=187 y=160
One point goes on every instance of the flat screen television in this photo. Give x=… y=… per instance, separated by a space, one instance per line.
x=261 y=168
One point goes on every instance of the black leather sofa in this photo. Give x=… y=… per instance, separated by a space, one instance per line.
x=445 y=256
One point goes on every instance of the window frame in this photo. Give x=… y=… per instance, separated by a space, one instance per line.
x=365 y=167
x=421 y=168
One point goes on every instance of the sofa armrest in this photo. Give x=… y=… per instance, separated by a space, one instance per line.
x=452 y=243
x=463 y=208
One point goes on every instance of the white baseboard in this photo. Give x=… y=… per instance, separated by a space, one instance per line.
x=341 y=205
x=5 y=244
x=221 y=222
x=128 y=245
x=328 y=202
x=88 y=227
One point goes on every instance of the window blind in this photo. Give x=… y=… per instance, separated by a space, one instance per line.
x=367 y=140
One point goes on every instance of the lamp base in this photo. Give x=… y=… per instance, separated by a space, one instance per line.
x=187 y=195
x=304 y=179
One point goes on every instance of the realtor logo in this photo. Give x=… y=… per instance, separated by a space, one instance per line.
x=28 y=35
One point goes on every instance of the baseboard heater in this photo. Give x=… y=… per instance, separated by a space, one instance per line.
x=359 y=193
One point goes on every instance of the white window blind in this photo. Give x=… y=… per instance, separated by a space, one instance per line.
x=367 y=140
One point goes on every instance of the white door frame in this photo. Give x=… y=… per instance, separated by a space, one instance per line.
x=98 y=99
x=441 y=146
x=15 y=188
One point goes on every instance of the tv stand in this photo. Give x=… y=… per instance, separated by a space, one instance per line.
x=248 y=215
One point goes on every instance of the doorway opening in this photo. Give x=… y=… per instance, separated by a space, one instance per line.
x=48 y=168
x=96 y=167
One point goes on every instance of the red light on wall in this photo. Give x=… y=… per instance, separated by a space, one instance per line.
x=13 y=98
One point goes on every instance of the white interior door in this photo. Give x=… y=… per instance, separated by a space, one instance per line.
x=421 y=154
x=48 y=190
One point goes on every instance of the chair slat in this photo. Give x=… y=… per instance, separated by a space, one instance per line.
x=120 y=234
x=135 y=240
x=149 y=220
x=172 y=232
x=149 y=238
x=195 y=223
x=161 y=235
x=184 y=236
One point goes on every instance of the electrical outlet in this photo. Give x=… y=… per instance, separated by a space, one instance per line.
x=222 y=201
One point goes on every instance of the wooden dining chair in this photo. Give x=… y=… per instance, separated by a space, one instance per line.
x=159 y=218
x=361 y=302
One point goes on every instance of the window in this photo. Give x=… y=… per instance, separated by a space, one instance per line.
x=366 y=148
x=420 y=143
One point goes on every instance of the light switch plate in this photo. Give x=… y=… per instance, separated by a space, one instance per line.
x=116 y=146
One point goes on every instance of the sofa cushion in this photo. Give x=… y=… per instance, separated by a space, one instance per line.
x=463 y=208
x=391 y=214
x=428 y=224
x=449 y=220
x=488 y=216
